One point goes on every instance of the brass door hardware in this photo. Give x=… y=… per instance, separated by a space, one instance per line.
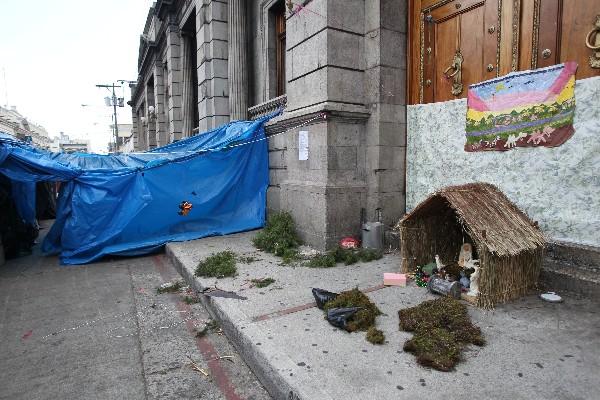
x=546 y=53
x=594 y=33
x=456 y=74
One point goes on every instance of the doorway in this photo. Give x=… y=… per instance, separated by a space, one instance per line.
x=455 y=43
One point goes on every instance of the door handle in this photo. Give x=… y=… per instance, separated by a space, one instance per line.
x=456 y=66
x=594 y=33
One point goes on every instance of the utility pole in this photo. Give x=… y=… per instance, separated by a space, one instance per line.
x=114 y=101
x=114 y=104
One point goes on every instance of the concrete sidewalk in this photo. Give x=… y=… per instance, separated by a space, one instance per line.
x=100 y=331
x=535 y=350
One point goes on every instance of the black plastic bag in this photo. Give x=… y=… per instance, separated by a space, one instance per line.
x=323 y=296
x=339 y=317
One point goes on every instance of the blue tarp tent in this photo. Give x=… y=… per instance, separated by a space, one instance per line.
x=129 y=204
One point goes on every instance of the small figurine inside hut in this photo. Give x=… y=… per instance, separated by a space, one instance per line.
x=462 y=275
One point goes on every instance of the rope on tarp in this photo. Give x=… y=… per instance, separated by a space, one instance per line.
x=319 y=116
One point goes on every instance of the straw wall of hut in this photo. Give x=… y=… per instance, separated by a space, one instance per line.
x=507 y=243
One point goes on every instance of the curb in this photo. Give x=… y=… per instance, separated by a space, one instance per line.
x=275 y=380
x=572 y=268
x=570 y=280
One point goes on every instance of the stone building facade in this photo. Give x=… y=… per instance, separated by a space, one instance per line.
x=337 y=66
x=15 y=124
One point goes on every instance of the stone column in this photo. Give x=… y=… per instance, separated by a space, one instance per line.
x=238 y=68
x=173 y=83
x=150 y=118
x=187 y=100
x=159 y=105
x=135 y=128
x=385 y=90
x=212 y=37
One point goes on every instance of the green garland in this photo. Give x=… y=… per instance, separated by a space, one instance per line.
x=419 y=275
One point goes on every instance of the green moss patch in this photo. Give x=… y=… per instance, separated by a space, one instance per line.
x=210 y=327
x=368 y=255
x=170 y=287
x=375 y=336
x=247 y=259
x=442 y=328
x=364 y=318
x=279 y=237
x=341 y=255
x=290 y=256
x=191 y=299
x=261 y=283
x=321 y=261
x=219 y=265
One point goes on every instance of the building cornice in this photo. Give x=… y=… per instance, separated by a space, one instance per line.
x=147 y=48
x=329 y=110
x=163 y=7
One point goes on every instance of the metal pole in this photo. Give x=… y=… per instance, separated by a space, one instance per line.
x=114 y=99
x=114 y=104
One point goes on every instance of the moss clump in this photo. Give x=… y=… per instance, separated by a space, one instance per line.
x=290 y=255
x=442 y=328
x=346 y=256
x=375 y=336
x=247 y=259
x=219 y=265
x=436 y=348
x=321 y=261
x=211 y=326
x=367 y=255
x=364 y=318
x=171 y=287
x=279 y=237
x=191 y=299
x=261 y=283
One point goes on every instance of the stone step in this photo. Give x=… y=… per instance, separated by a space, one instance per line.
x=572 y=268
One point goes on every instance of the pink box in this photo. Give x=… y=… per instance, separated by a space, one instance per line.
x=392 y=279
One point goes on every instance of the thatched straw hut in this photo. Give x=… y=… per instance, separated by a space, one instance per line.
x=507 y=243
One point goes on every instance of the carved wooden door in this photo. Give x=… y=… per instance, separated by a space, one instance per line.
x=454 y=43
x=458 y=46
x=562 y=30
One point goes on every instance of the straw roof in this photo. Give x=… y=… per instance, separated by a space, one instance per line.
x=487 y=215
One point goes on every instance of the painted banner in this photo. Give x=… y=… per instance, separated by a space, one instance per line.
x=522 y=109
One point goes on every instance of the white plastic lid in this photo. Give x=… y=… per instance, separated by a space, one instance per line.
x=551 y=297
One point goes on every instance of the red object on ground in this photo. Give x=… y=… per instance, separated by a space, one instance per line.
x=27 y=335
x=349 y=243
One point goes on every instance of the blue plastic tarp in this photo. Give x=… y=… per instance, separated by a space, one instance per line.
x=129 y=204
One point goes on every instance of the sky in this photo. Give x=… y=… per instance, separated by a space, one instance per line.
x=53 y=53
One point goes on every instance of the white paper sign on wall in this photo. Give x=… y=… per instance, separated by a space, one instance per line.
x=303 y=145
